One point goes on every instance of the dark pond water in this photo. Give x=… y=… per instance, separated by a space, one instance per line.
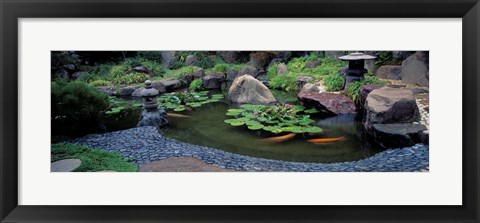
x=205 y=127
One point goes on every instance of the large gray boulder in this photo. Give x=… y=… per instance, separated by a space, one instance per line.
x=302 y=80
x=415 y=69
x=190 y=60
x=312 y=63
x=401 y=55
x=390 y=105
x=213 y=81
x=229 y=56
x=252 y=71
x=127 y=91
x=61 y=73
x=365 y=91
x=391 y=72
x=329 y=103
x=198 y=73
x=231 y=74
x=246 y=89
x=260 y=60
x=398 y=135
x=171 y=85
x=168 y=59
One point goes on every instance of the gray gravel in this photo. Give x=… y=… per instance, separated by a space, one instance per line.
x=144 y=144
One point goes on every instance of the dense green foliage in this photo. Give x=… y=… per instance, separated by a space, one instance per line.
x=386 y=58
x=333 y=82
x=97 y=83
x=276 y=119
x=76 y=100
x=353 y=90
x=196 y=85
x=132 y=78
x=93 y=160
x=181 y=101
x=203 y=59
x=76 y=105
x=296 y=67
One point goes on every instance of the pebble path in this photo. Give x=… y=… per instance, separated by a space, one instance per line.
x=144 y=144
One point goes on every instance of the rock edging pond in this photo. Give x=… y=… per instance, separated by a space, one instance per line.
x=144 y=144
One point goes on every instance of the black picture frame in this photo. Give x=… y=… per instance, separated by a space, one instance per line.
x=11 y=11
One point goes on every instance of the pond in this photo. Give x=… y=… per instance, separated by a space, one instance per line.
x=206 y=127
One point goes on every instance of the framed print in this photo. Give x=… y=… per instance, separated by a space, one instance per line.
x=239 y=111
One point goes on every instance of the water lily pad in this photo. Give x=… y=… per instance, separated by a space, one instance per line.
x=249 y=115
x=252 y=122
x=233 y=113
x=275 y=129
x=236 y=110
x=237 y=123
x=179 y=109
x=312 y=129
x=230 y=120
x=307 y=121
x=255 y=127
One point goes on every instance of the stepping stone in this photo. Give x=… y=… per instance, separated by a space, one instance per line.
x=66 y=165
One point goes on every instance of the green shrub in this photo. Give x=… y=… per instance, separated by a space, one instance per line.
x=196 y=85
x=100 y=83
x=272 y=70
x=93 y=160
x=221 y=68
x=296 y=64
x=155 y=67
x=203 y=59
x=118 y=71
x=312 y=56
x=128 y=79
x=88 y=77
x=386 y=58
x=102 y=69
x=287 y=82
x=76 y=100
x=353 y=89
x=132 y=62
x=333 y=82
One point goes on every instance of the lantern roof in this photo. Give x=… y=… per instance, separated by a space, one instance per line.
x=357 y=56
x=149 y=91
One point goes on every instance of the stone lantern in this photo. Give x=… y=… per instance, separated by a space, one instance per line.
x=149 y=95
x=356 y=69
x=151 y=115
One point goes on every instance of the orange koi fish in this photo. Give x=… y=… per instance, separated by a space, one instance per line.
x=279 y=138
x=326 y=140
x=177 y=115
